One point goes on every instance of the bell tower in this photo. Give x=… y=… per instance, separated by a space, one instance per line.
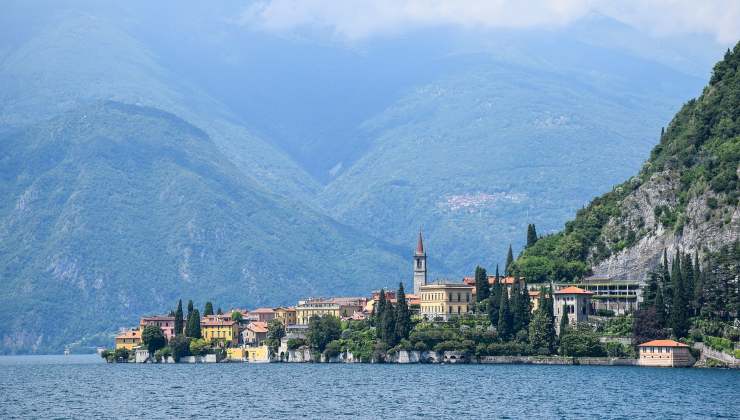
x=420 y=265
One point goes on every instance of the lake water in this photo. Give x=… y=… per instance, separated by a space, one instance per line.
x=85 y=387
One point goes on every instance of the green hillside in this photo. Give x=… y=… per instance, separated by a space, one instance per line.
x=476 y=156
x=692 y=178
x=111 y=211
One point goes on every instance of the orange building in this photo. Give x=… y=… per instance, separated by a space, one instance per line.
x=665 y=353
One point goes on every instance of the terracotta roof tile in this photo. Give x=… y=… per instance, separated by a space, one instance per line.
x=572 y=290
x=662 y=343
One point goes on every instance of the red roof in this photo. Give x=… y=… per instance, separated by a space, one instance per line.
x=216 y=322
x=572 y=290
x=263 y=311
x=258 y=326
x=420 y=245
x=662 y=343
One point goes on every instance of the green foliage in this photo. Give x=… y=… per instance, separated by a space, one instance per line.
x=121 y=355
x=719 y=343
x=193 y=326
x=604 y=312
x=332 y=349
x=702 y=144
x=237 y=316
x=403 y=315
x=178 y=318
x=275 y=333
x=531 y=235
x=180 y=346
x=581 y=341
x=153 y=338
x=481 y=284
x=208 y=310
x=616 y=349
x=199 y=347
x=296 y=343
x=505 y=326
x=542 y=336
x=322 y=331
x=162 y=354
x=620 y=326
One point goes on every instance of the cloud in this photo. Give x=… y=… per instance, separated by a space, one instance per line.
x=355 y=20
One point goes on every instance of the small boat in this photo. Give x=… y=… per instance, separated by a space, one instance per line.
x=66 y=351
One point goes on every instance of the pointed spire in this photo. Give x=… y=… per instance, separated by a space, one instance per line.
x=420 y=245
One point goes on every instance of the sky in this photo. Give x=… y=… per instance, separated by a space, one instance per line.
x=356 y=20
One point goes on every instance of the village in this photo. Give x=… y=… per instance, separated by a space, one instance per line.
x=355 y=329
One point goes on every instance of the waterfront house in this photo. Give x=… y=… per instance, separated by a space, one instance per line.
x=257 y=354
x=128 y=339
x=618 y=295
x=213 y=328
x=286 y=315
x=164 y=322
x=262 y=314
x=255 y=333
x=665 y=353
x=444 y=300
x=572 y=302
x=306 y=309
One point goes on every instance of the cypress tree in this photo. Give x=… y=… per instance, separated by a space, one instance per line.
x=190 y=307
x=665 y=281
x=509 y=261
x=564 y=320
x=178 y=318
x=505 y=322
x=220 y=311
x=494 y=300
x=194 y=324
x=679 y=316
x=660 y=313
x=542 y=327
x=403 y=315
x=388 y=321
x=481 y=284
x=525 y=306
x=687 y=274
x=379 y=310
x=531 y=235
x=651 y=290
x=208 y=310
x=697 y=299
x=515 y=305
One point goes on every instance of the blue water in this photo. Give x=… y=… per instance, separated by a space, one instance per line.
x=84 y=387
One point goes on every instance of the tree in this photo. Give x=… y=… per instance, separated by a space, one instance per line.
x=481 y=284
x=581 y=341
x=388 y=325
x=178 y=318
x=564 y=321
x=193 y=328
x=679 y=315
x=180 y=346
x=687 y=273
x=190 y=308
x=403 y=315
x=236 y=316
x=220 y=311
x=505 y=325
x=665 y=281
x=208 y=310
x=646 y=326
x=698 y=298
x=509 y=261
x=275 y=333
x=524 y=305
x=323 y=330
x=659 y=309
x=531 y=235
x=542 y=327
x=378 y=311
x=494 y=300
x=153 y=338
x=651 y=290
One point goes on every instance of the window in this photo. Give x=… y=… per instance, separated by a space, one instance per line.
x=458 y=297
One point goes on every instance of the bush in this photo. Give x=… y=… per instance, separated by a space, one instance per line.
x=180 y=346
x=199 y=347
x=162 y=354
x=719 y=344
x=581 y=342
x=121 y=355
x=615 y=349
x=604 y=312
x=448 y=346
x=294 y=343
x=421 y=346
x=508 y=349
x=332 y=349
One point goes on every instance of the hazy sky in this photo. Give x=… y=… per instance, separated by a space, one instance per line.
x=355 y=20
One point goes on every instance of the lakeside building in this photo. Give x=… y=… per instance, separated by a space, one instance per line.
x=506 y=281
x=444 y=300
x=665 y=353
x=573 y=303
x=255 y=333
x=164 y=322
x=128 y=339
x=620 y=296
x=262 y=314
x=221 y=330
x=286 y=315
x=340 y=307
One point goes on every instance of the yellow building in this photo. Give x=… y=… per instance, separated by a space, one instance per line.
x=259 y=354
x=128 y=339
x=236 y=354
x=220 y=330
x=286 y=315
x=443 y=300
x=306 y=309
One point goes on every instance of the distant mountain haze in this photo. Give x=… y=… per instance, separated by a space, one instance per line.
x=151 y=151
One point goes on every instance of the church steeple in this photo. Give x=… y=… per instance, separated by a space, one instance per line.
x=420 y=265
x=420 y=245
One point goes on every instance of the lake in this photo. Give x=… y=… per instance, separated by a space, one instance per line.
x=85 y=387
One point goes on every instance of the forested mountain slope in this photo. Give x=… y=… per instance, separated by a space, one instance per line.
x=684 y=198
x=111 y=211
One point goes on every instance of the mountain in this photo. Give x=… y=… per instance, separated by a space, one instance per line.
x=113 y=210
x=477 y=155
x=684 y=198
